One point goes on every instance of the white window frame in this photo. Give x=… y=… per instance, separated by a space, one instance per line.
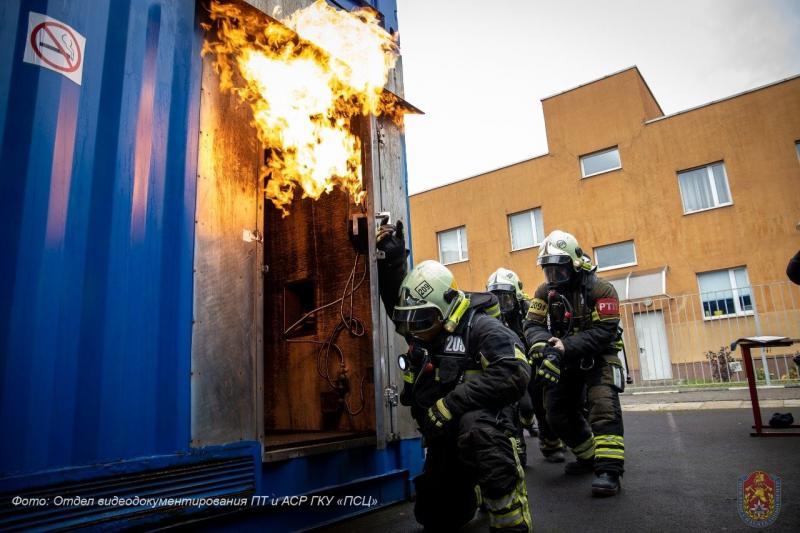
x=712 y=184
x=738 y=311
x=458 y=230
x=622 y=265
x=598 y=152
x=537 y=239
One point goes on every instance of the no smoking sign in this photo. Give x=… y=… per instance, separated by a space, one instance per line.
x=54 y=45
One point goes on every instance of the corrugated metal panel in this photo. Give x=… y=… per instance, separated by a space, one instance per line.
x=144 y=493
x=97 y=198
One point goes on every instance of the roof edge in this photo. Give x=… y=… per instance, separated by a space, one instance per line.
x=591 y=82
x=632 y=67
x=725 y=98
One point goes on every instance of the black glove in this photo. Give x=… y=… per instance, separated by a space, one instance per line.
x=536 y=353
x=392 y=242
x=550 y=369
x=437 y=419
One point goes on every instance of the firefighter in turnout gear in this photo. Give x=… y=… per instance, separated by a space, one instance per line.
x=514 y=304
x=572 y=327
x=463 y=373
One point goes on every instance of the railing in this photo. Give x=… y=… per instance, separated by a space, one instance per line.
x=685 y=340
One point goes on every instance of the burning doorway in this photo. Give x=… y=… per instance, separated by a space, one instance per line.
x=283 y=290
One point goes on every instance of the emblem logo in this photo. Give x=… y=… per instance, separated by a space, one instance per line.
x=561 y=243
x=423 y=289
x=759 y=498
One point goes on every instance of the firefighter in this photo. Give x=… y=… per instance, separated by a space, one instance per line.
x=572 y=327
x=507 y=287
x=463 y=373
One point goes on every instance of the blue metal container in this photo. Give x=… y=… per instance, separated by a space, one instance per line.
x=97 y=205
x=97 y=196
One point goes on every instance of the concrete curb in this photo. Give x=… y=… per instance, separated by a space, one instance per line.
x=717 y=404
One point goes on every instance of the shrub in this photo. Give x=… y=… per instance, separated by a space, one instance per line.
x=720 y=363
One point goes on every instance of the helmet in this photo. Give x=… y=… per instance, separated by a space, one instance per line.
x=560 y=257
x=505 y=284
x=428 y=297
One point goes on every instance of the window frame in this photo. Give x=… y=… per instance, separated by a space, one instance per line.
x=537 y=239
x=738 y=311
x=621 y=265
x=458 y=230
x=712 y=183
x=598 y=152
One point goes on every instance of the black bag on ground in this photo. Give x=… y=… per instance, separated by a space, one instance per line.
x=781 y=420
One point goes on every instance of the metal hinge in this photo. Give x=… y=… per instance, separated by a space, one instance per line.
x=391 y=396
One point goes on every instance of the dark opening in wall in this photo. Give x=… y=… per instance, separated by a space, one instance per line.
x=299 y=299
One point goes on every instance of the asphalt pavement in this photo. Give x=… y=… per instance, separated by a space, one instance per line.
x=682 y=469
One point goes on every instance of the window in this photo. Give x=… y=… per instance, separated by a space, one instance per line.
x=797 y=148
x=725 y=293
x=639 y=285
x=599 y=162
x=453 y=245
x=704 y=188
x=526 y=229
x=615 y=255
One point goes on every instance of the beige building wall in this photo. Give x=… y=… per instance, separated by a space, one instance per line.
x=754 y=134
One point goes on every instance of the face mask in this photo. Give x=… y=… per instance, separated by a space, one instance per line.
x=508 y=300
x=557 y=274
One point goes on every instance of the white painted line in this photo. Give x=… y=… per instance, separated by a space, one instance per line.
x=655 y=392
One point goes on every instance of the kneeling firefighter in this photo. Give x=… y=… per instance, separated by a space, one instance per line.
x=462 y=375
x=573 y=329
x=514 y=304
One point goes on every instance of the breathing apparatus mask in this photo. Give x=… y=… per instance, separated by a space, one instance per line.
x=558 y=271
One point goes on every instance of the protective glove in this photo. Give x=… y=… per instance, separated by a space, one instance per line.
x=536 y=353
x=438 y=417
x=550 y=369
x=391 y=241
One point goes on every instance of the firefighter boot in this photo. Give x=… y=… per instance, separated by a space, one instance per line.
x=579 y=466
x=605 y=484
x=555 y=457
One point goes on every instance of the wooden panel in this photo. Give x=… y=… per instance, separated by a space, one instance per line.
x=312 y=243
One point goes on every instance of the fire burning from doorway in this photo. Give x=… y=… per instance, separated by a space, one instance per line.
x=305 y=79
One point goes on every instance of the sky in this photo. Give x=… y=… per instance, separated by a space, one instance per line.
x=478 y=69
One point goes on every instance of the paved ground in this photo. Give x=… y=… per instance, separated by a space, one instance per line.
x=682 y=473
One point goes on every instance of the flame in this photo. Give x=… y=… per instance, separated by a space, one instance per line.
x=305 y=79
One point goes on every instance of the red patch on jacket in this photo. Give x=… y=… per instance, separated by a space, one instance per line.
x=608 y=306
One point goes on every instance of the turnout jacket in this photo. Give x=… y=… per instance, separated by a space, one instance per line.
x=480 y=365
x=595 y=320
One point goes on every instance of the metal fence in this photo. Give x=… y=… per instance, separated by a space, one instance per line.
x=685 y=340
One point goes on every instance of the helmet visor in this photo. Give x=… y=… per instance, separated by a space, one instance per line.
x=415 y=320
x=507 y=299
x=496 y=287
x=557 y=274
x=554 y=260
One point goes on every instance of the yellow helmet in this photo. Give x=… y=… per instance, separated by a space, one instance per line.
x=428 y=297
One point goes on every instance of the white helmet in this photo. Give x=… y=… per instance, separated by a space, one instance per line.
x=560 y=256
x=505 y=284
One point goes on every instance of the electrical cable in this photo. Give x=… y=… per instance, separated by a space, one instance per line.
x=348 y=322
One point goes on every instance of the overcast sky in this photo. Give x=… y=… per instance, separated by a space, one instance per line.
x=478 y=69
